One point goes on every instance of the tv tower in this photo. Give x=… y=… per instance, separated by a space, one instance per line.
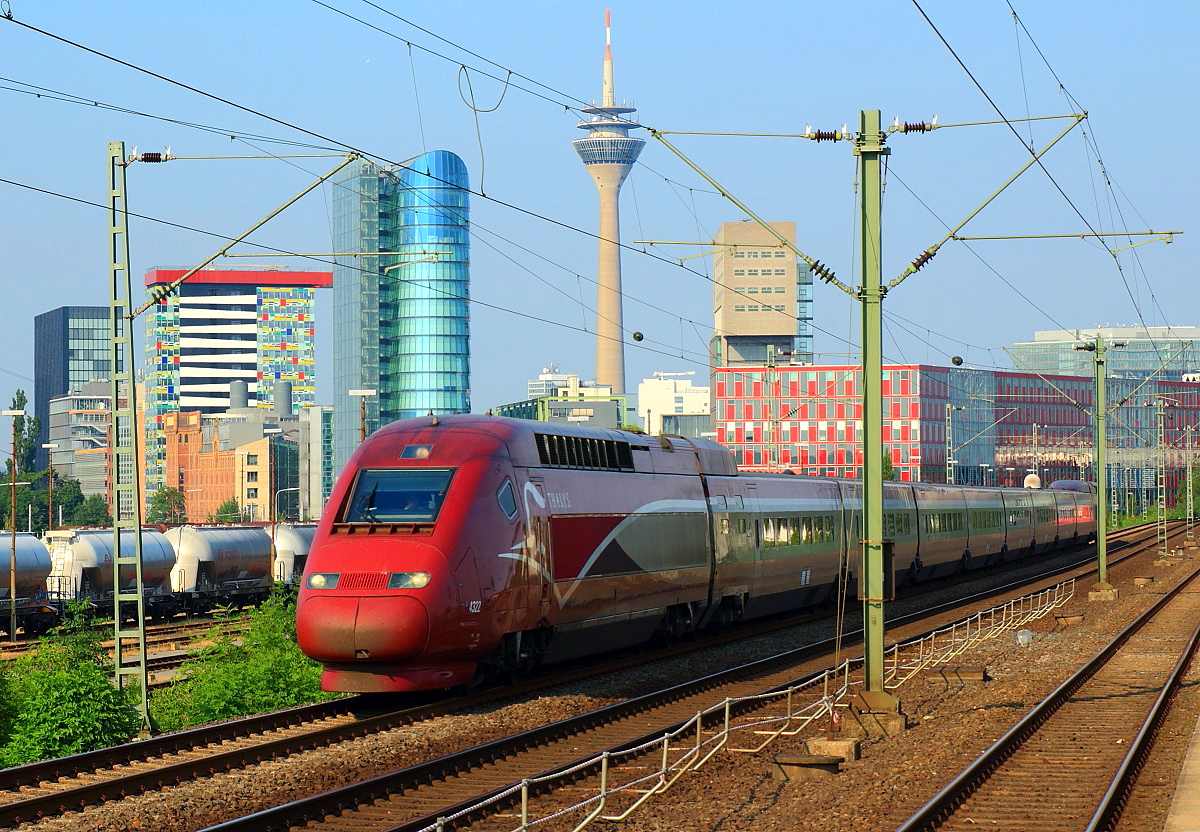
x=609 y=152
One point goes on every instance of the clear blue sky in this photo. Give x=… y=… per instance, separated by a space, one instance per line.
x=770 y=67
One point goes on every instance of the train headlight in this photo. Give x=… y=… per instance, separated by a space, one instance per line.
x=323 y=580
x=408 y=580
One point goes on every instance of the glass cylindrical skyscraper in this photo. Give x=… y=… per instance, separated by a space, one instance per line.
x=424 y=344
x=401 y=301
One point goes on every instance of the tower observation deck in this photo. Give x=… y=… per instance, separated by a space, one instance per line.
x=608 y=152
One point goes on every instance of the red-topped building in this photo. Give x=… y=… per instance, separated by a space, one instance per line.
x=252 y=324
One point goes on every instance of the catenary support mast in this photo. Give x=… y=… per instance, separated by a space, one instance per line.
x=127 y=497
x=869 y=147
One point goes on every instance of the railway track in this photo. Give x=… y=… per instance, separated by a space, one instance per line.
x=75 y=782
x=1070 y=763
x=449 y=790
x=167 y=636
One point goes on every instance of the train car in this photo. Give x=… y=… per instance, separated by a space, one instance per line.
x=27 y=580
x=987 y=538
x=220 y=566
x=1076 y=513
x=291 y=542
x=461 y=547
x=82 y=568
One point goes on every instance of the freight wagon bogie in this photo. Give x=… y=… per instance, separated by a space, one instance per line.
x=534 y=543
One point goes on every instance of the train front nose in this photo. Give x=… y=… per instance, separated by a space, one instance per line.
x=381 y=615
x=346 y=628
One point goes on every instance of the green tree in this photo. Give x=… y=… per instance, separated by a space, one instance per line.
x=26 y=430
x=68 y=495
x=889 y=473
x=168 y=505
x=92 y=512
x=262 y=670
x=228 y=512
x=59 y=699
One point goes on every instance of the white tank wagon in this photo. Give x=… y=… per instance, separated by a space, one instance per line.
x=81 y=568
x=220 y=565
x=292 y=542
x=35 y=614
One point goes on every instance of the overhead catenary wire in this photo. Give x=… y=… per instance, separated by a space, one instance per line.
x=484 y=196
x=991 y=102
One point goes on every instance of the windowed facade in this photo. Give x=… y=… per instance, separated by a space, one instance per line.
x=70 y=348
x=750 y=261
x=254 y=324
x=402 y=317
x=1003 y=424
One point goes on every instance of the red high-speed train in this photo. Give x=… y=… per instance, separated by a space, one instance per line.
x=455 y=548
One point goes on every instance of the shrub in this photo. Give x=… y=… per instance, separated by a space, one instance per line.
x=59 y=699
x=261 y=671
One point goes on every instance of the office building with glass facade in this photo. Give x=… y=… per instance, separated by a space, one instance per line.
x=251 y=324
x=401 y=291
x=70 y=348
x=1175 y=350
x=968 y=426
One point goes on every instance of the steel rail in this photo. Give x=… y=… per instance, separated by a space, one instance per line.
x=1113 y=803
x=944 y=803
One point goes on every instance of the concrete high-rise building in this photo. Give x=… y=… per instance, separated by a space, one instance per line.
x=609 y=152
x=762 y=296
x=401 y=294
x=251 y=324
x=70 y=348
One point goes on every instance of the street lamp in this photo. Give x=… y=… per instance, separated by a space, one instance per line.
x=50 y=446
x=362 y=397
x=12 y=519
x=274 y=520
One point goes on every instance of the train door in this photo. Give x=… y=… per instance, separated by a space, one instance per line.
x=535 y=546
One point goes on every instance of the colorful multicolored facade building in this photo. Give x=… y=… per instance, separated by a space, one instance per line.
x=253 y=324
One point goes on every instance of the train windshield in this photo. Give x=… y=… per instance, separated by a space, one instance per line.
x=398 y=495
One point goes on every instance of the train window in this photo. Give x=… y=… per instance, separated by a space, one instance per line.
x=768 y=533
x=397 y=495
x=507 y=500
